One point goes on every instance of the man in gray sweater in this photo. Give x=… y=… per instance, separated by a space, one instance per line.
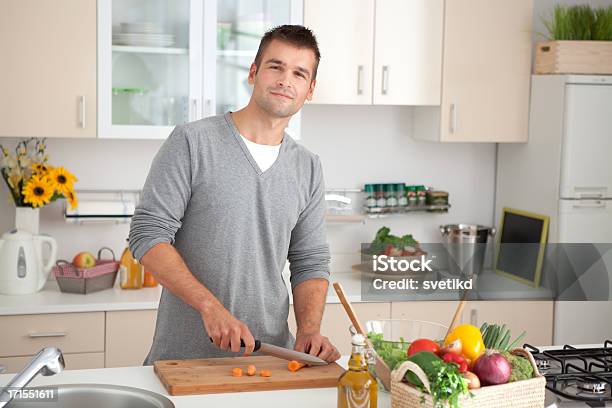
x=228 y=200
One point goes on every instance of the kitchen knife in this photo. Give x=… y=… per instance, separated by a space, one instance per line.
x=286 y=354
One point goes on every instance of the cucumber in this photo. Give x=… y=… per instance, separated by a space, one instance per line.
x=425 y=360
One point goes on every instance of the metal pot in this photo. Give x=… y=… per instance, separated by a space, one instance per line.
x=466 y=247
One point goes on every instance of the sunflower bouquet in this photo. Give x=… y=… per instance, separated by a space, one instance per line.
x=32 y=182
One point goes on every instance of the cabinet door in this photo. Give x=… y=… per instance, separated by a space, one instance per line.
x=408 y=52
x=345 y=33
x=534 y=317
x=48 y=68
x=486 y=74
x=149 y=66
x=232 y=39
x=73 y=361
x=129 y=335
x=335 y=323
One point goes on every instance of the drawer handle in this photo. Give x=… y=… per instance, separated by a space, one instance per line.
x=47 y=334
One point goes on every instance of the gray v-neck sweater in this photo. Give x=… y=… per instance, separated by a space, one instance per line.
x=235 y=227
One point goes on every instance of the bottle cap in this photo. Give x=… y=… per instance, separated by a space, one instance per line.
x=358 y=340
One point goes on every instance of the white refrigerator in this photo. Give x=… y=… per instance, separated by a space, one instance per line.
x=565 y=171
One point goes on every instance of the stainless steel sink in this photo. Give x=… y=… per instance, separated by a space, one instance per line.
x=95 y=396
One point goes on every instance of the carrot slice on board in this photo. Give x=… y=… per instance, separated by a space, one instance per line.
x=237 y=372
x=295 y=365
x=265 y=373
x=251 y=370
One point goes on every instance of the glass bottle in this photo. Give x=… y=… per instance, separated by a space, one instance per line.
x=380 y=196
x=390 y=195
x=130 y=271
x=402 y=200
x=357 y=388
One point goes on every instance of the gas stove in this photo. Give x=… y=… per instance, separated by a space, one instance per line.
x=576 y=377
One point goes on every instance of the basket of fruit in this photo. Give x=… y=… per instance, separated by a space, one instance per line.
x=86 y=274
x=471 y=367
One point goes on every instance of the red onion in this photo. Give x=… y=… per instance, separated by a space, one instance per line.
x=492 y=369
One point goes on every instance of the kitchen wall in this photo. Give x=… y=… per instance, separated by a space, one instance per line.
x=357 y=144
x=375 y=148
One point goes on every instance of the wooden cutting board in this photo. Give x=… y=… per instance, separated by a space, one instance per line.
x=214 y=375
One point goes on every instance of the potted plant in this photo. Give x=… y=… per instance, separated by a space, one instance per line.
x=33 y=183
x=580 y=41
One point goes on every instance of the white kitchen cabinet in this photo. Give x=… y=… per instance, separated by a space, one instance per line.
x=129 y=335
x=48 y=69
x=149 y=66
x=345 y=72
x=163 y=63
x=335 y=324
x=408 y=61
x=367 y=59
x=535 y=317
x=485 y=74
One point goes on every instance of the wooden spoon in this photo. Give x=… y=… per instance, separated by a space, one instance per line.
x=383 y=372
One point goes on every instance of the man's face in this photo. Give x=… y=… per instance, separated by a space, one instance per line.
x=283 y=81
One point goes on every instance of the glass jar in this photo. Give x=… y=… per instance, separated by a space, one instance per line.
x=390 y=195
x=370 y=200
x=411 y=195
x=421 y=193
x=400 y=192
x=379 y=194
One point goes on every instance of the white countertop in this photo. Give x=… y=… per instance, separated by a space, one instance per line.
x=145 y=378
x=51 y=300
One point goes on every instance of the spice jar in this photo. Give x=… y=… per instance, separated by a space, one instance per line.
x=400 y=192
x=411 y=195
x=390 y=195
x=370 y=201
x=379 y=194
x=421 y=196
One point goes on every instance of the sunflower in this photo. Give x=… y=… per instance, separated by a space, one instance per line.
x=62 y=179
x=41 y=168
x=38 y=191
x=72 y=199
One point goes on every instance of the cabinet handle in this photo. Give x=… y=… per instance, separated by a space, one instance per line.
x=82 y=111
x=194 y=103
x=385 y=79
x=359 y=78
x=474 y=317
x=47 y=334
x=453 y=118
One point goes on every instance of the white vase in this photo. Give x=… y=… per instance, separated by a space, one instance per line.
x=27 y=219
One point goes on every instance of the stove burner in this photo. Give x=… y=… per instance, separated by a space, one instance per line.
x=592 y=387
x=543 y=365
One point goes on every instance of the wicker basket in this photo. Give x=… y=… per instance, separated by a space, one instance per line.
x=519 y=394
x=86 y=280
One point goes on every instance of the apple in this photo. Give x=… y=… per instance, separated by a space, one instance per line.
x=84 y=260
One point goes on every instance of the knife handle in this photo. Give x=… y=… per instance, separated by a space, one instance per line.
x=257 y=344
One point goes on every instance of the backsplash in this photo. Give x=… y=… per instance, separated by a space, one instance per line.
x=377 y=147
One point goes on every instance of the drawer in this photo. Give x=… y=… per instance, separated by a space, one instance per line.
x=129 y=335
x=24 y=335
x=75 y=361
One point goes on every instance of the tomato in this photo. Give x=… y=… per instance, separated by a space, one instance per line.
x=423 y=345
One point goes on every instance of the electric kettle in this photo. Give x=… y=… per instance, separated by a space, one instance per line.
x=22 y=270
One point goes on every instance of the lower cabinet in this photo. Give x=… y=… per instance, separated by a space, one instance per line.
x=129 y=335
x=74 y=361
x=336 y=323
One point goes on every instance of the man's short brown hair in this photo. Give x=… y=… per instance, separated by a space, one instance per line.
x=296 y=35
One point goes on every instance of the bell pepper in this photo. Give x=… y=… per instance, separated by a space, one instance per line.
x=457 y=359
x=472 y=345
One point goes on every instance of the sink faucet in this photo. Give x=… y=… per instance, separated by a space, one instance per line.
x=48 y=361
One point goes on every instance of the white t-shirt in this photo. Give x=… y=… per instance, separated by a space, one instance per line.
x=264 y=155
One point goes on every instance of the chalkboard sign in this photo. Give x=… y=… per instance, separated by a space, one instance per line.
x=521 y=244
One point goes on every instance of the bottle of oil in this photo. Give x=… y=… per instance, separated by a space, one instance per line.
x=357 y=388
x=130 y=271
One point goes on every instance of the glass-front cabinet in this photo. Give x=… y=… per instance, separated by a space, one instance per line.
x=162 y=63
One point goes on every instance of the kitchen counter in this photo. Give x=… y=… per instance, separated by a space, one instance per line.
x=51 y=300
x=145 y=378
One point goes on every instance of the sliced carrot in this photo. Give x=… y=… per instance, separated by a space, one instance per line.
x=237 y=372
x=265 y=373
x=295 y=365
x=251 y=370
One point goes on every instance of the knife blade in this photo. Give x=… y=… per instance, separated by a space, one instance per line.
x=286 y=354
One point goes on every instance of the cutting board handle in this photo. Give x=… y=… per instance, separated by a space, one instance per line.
x=257 y=344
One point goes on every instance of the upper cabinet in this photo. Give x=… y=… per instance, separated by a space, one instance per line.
x=485 y=76
x=48 y=68
x=384 y=52
x=149 y=66
x=232 y=31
